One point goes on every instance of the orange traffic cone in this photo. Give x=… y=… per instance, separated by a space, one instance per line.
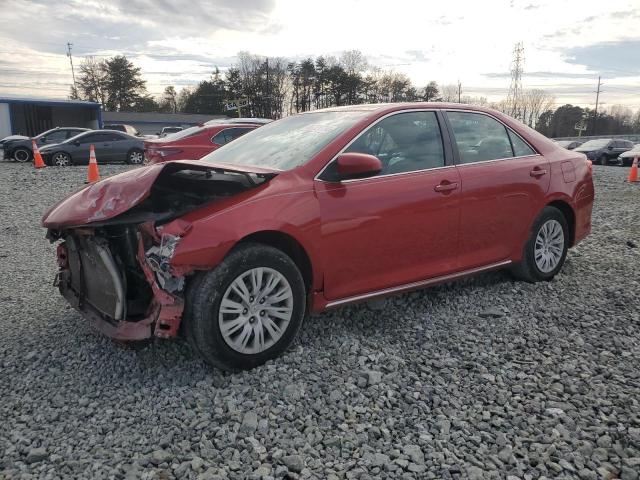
x=633 y=173
x=37 y=158
x=92 y=175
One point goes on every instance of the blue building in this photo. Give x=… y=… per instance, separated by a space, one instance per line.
x=31 y=116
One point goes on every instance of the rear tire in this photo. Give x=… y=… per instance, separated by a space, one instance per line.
x=22 y=155
x=264 y=306
x=542 y=260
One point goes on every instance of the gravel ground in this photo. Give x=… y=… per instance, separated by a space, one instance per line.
x=483 y=378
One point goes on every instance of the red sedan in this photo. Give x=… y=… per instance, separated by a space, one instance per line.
x=316 y=211
x=195 y=142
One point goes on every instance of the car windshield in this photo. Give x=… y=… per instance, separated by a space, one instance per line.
x=286 y=143
x=595 y=143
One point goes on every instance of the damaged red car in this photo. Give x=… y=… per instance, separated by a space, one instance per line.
x=314 y=211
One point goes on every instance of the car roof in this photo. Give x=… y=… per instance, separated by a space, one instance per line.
x=393 y=107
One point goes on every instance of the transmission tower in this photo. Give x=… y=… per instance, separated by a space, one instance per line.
x=515 y=89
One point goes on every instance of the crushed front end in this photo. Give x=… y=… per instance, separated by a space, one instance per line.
x=118 y=237
x=118 y=277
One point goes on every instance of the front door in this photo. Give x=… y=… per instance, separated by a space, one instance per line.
x=504 y=183
x=399 y=226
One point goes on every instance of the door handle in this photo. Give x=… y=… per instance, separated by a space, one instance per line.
x=446 y=187
x=538 y=172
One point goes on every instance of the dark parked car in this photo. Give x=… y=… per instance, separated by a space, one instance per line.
x=569 y=144
x=603 y=150
x=110 y=146
x=122 y=127
x=315 y=211
x=20 y=149
x=626 y=159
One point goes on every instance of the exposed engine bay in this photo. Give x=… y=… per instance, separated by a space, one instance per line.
x=117 y=271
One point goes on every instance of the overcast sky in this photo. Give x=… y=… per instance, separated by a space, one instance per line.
x=568 y=43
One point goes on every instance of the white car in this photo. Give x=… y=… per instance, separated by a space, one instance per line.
x=625 y=159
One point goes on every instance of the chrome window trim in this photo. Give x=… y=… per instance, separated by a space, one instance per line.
x=407 y=110
x=415 y=285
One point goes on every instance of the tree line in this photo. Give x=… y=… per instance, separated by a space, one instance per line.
x=271 y=87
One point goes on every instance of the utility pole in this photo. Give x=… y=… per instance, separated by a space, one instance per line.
x=268 y=89
x=459 y=92
x=595 y=113
x=73 y=73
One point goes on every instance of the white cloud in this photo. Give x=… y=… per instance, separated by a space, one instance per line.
x=180 y=41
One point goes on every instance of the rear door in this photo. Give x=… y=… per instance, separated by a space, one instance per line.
x=120 y=145
x=397 y=227
x=503 y=187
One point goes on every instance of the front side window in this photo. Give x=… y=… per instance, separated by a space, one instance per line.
x=404 y=142
x=56 y=136
x=94 y=138
x=479 y=137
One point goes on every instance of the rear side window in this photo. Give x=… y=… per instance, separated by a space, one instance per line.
x=229 y=134
x=520 y=147
x=479 y=137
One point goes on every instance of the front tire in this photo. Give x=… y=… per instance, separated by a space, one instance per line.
x=135 y=157
x=603 y=160
x=22 y=155
x=248 y=309
x=546 y=247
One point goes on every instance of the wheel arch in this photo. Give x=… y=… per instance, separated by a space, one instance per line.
x=290 y=246
x=569 y=215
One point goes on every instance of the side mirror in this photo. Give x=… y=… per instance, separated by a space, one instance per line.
x=610 y=147
x=76 y=143
x=358 y=165
x=44 y=140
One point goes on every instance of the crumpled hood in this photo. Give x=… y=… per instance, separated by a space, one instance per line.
x=115 y=195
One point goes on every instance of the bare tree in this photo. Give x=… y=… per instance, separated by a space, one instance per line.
x=449 y=93
x=92 y=81
x=533 y=103
x=354 y=62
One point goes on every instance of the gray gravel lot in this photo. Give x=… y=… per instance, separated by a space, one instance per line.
x=483 y=378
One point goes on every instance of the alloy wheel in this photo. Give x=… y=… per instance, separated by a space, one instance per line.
x=136 y=158
x=549 y=246
x=61 y=160
x=255 y=310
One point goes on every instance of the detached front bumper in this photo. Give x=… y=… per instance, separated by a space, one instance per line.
x=116 y=290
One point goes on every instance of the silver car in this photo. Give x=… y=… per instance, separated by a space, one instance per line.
x=110 y=146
